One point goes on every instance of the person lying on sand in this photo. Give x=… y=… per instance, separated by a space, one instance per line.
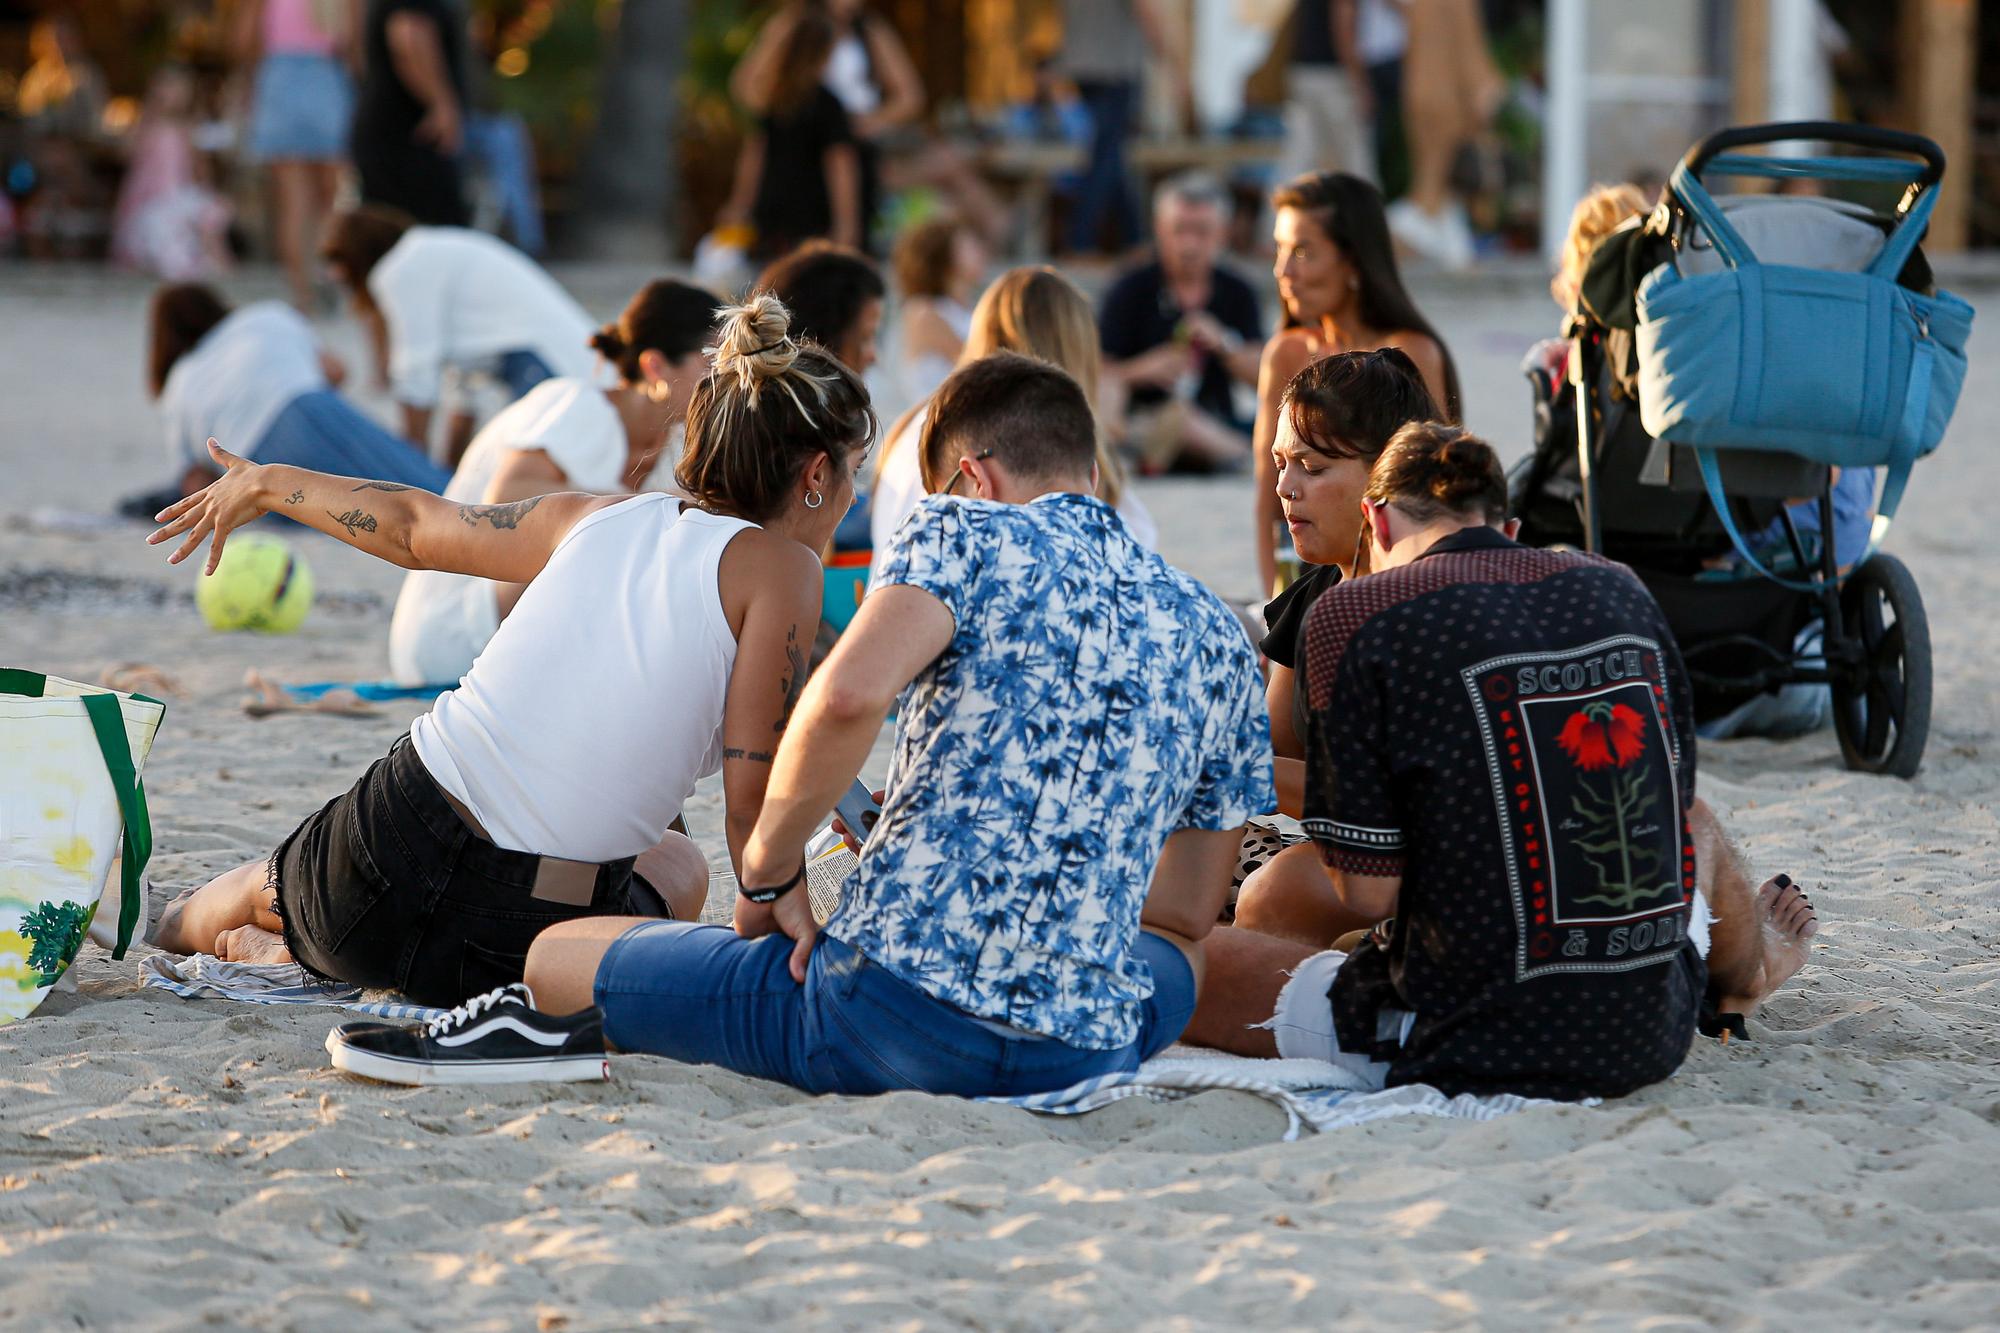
x=657 y=642
x=1080 y=737
x=1500 y=770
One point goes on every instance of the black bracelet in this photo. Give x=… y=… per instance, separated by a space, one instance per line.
x=762 y=896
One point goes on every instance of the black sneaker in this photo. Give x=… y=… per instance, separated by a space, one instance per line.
x=498 y=1037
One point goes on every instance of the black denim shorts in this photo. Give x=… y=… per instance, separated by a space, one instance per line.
x=387 y=887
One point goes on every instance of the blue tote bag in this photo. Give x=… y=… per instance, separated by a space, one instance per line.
x=1849 y=369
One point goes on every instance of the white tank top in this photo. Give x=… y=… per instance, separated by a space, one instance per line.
x=592 y=713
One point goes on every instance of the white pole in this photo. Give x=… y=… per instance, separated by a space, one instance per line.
x=1565 y=143
x=1797 y=80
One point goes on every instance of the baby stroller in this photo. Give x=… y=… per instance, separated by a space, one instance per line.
x=1728 y=356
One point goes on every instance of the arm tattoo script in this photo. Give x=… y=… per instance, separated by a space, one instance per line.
x=296 y=497
x=794 y=683
x=500 y=516
x=754 y=756
x=380 y=486
x=354 y=521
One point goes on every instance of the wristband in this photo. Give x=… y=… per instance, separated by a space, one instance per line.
x=765 y=896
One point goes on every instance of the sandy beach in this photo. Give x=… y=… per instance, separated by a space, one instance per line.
x=167 y=1163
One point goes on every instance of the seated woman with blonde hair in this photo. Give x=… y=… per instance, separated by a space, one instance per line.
x=1037 y=312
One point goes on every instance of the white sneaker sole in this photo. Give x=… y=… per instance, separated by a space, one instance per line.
x=424 y=1073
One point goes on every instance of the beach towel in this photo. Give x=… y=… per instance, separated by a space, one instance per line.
x=374 y=691
x=203 y=977
x=1310 y=1092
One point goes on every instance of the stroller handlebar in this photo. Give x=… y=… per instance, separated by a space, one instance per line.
x=1856 y=136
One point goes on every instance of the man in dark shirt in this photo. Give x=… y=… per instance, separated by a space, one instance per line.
x=1500 y=755
x=409 y=120
x=1180 y=332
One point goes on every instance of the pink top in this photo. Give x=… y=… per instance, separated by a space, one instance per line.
x=291 y=29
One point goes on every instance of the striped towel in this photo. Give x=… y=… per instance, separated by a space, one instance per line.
x=202 y=977
x=1310 y=1092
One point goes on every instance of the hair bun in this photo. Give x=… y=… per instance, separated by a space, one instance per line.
x=609 y=342
x=754 y=342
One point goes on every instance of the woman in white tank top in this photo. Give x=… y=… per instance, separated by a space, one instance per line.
x=657 y=641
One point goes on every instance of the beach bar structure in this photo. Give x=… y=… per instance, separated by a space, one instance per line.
x=1636 y=81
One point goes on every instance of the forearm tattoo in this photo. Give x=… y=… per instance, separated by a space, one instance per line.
x=500 y=516
x=754 y=756
x=794 y=683
x=354 y=521
x=381 y=486
x=296 y=497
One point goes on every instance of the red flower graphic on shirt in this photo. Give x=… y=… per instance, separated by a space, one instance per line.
x=1603 y=735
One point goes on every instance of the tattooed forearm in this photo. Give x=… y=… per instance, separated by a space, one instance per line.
x=296 y=497
x=794 y=683
x=500 y=516
x=354 y=521
x=754 y=756
x=381 y=486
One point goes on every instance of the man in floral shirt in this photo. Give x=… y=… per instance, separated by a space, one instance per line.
x=1081 y=734
x=1500 y=756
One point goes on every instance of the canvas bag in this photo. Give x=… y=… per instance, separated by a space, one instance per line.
x=70 y=794
x=1849 y=369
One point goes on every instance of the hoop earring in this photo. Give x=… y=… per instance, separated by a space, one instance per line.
x=814 y=499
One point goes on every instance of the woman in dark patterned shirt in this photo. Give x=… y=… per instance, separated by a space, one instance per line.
x=1500 y=757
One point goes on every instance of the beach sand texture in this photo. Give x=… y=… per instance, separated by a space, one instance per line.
x=165 y=1163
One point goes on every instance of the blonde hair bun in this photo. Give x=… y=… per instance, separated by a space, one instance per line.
x=754 y=343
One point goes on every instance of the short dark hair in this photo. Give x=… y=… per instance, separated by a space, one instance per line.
x=181 y=316
x=1028 y=414
x=359 y=238
x=1348 y=405
x=1431 y=470
x=825 y=286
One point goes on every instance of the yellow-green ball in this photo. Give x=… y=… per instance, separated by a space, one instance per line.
x=262 y=584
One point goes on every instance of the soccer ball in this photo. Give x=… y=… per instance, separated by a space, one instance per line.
x=261 y=584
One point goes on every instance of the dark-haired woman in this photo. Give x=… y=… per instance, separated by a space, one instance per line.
x=658 y=641
x=564 y=435
x=1337 y=276
x=450 y=298
x=259 y=376
x=798 y=175
x=1334 y=420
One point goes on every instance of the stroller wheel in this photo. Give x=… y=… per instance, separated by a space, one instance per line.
x=1882 y=699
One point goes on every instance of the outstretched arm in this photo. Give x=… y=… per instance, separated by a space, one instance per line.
x=400 y=524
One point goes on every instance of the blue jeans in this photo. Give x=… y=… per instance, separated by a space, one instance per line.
x=326 y=433
x=521 y=371
x=1105 y=182
x=506 y=155
x=705 y=995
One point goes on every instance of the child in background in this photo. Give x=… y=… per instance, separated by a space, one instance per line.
x=168 y=221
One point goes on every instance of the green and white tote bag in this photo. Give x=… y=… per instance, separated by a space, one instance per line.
x=70 y=795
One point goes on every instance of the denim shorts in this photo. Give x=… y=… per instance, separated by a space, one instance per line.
x=706 y=995
x=301 y=109
x=387 y=887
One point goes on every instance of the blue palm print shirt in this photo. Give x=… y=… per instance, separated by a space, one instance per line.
x=1091 y=702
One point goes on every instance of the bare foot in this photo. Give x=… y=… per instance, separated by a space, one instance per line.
x=268 y=697
x=1786 y=925
x=251 y=944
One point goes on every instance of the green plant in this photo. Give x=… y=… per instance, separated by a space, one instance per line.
x=57 y=931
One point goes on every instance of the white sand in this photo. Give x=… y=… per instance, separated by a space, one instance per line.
x=168 y=1163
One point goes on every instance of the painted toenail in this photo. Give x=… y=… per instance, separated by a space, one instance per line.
x=1784 y=881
